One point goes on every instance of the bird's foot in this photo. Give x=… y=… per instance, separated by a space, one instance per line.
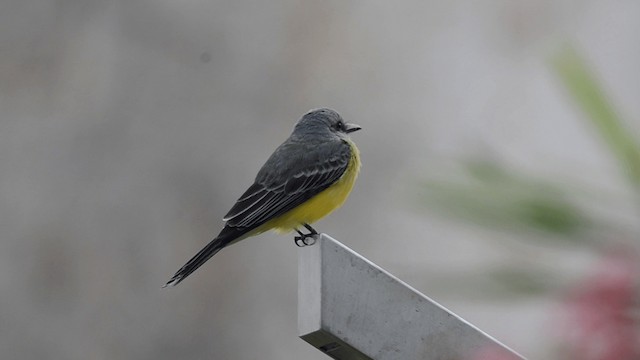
x=306 y=239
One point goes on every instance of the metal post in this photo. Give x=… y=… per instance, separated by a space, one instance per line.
x=349 y=308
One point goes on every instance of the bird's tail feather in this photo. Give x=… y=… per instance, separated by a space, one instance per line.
x=226 y=237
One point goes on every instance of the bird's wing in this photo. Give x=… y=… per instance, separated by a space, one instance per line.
x=294 y=173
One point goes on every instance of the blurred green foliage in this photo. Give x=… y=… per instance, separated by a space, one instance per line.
x=582 y=85
x=490 y=195
x=494 y=197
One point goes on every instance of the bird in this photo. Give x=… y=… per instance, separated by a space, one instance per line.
x=305 y=179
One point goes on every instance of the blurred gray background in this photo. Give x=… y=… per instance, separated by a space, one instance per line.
x=129 y=128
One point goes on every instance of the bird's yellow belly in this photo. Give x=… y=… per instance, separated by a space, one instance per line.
x=322 y=204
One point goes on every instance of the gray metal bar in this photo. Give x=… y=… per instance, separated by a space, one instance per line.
x=349 y=308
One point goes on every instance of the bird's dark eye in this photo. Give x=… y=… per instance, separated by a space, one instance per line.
x=339 y=125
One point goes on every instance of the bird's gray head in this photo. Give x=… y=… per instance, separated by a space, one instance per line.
x=324 y=122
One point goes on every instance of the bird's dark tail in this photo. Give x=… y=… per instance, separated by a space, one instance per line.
x=226 y=237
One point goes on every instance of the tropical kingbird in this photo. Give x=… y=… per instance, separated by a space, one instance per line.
x=306 y=178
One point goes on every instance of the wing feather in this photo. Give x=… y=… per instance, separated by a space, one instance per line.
x=256 y=199
x=289 y=178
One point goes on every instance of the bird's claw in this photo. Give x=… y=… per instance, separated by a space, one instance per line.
x=303 y=239
x=311 y=239
x=306 y=240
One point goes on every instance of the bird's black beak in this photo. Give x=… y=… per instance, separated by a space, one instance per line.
x=349 y=128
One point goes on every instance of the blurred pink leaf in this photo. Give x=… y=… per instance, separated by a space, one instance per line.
x=597 y=320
